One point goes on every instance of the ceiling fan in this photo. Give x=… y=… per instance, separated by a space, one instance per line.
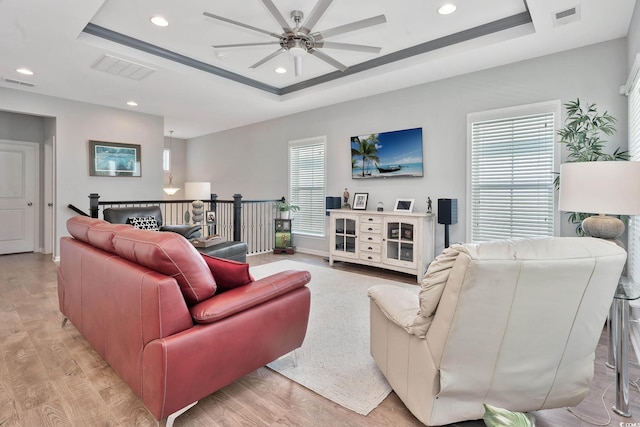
x=300 y=39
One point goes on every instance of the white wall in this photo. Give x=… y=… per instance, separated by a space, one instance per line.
x=76 y=124
x=633 y=37
x=252 y=160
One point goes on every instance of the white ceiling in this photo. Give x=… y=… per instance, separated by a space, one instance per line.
x=47 y=37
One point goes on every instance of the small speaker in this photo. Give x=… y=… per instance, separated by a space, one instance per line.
x=447 y=211
x=333 y=203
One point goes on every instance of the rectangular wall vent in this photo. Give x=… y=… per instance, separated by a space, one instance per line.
x=122 y=67
x=566 y=16
x=18 y=82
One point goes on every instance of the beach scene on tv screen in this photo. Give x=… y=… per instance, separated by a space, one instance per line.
x=387 y=154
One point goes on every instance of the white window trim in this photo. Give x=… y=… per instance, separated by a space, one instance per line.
x=554 y=106
x=308 y=141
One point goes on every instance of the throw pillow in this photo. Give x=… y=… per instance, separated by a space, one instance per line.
x=144 y=222
x=228 y=274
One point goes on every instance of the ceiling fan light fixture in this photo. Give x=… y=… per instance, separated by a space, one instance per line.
x=447 y=9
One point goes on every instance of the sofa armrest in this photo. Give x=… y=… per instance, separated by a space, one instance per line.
x=402 y=307
x=241 y=298
x=186 y=230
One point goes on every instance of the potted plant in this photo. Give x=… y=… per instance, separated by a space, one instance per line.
x=581 y=135
x=283 y=208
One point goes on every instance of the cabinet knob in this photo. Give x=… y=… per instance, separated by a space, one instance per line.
x=370 y=229
x=369 y=238
x=370 y=248
x=369 y=257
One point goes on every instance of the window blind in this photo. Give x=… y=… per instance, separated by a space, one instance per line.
x=633 y=260
x=307 y=185
x=512 y=193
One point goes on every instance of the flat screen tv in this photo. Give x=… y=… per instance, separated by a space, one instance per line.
x=387 y=154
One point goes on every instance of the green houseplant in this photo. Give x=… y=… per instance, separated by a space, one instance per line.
x=582 y=137
x=284 y=208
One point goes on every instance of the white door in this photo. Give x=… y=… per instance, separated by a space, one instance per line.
x=18 y=196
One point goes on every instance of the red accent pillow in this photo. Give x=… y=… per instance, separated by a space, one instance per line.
x=228 y=274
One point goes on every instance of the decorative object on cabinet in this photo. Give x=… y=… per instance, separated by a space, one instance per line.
x=429 y=205
x=345 y=197
x=114 y=159
x=282 y=243
x=397 y=241
x=404 y=205
x=380 y=207
x=378 y=155
x=360 y=201
x=447 y=215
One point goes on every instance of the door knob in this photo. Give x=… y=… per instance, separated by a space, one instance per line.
x=29 y=204
x=49 y=204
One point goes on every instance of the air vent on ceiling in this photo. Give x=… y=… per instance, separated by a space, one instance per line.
x=18 y=82
x=122 y=67
x=566 y=16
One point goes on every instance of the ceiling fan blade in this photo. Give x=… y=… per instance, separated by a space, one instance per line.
x=277 y=15
x=268 y=58
x=219 y=46
x=349 y=46
x=316 y=13
x=240 y=24
x=358 y=25
x=326 y=58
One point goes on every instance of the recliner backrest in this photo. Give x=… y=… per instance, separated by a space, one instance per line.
x=122 y=215
x=522 y=312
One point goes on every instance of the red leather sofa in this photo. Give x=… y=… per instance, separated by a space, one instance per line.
x=150 y=305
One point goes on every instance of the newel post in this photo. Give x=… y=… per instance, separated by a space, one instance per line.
x=93 y=204
x=237 y=217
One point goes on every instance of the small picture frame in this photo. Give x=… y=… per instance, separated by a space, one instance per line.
x=210 y=217
x=404 y=205
x=114 y=159
x=360 y=201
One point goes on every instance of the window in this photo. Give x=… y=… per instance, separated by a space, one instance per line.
x=512 y=164
x=633 y=267
x=307 y=185
x=166 y=160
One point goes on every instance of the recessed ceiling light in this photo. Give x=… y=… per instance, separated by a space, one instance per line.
x=447 y=8
x=132 y=103
x=280 y=70
x=159 y=21
x=25 y=71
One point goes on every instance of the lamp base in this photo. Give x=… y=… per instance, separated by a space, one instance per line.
x=604 y=227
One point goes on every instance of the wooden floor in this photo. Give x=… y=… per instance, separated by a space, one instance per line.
x=50 y=376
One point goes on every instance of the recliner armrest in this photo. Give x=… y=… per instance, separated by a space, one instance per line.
x=187 y=230
x=244 y=297
x=401 y=307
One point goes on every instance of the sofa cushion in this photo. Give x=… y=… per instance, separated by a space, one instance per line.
x=170 y=254
x=228 y=274
x=144 y=222
x=101 y=235
x=79 y=225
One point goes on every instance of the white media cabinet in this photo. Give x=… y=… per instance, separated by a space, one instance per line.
x=392 y=240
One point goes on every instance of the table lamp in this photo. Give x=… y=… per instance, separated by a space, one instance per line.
x=197 y=191
x=601 y=188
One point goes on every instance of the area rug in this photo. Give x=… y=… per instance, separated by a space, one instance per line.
x=334 y=360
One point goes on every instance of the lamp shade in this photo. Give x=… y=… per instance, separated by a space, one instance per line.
x=197 y=190
x=600 y=187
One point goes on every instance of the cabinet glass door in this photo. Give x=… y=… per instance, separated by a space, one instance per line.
x=399 y=241
x=345 y=235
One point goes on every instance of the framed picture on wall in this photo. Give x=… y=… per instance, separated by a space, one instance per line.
x=360 y=201
x=114 y=159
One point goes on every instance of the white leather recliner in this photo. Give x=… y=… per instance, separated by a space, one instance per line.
x=514 y=324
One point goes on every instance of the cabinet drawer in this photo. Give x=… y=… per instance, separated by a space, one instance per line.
x=370 y=219
x=370 y=228
x=370 y=238
x=370 y=256
x=370 y=247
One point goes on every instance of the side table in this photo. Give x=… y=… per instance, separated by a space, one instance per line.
x=619 y=341
x=282 y=243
